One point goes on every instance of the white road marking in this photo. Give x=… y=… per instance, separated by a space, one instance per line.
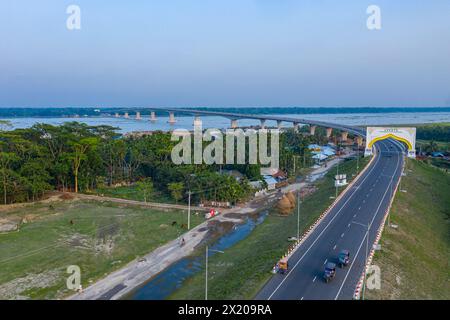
x=354 y=216
x=362 y=242
x=342 y=235
x=301 y=298
x=325 y=261
x=315 y=278
x=348 y=226
x=326 y=227
x=334 y=248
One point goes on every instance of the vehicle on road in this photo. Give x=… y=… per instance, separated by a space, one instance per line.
x=283 y=266
x=344 y=258
x=330 y=271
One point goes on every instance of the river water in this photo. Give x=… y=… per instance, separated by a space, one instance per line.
x=184 y=122
x=173 y=277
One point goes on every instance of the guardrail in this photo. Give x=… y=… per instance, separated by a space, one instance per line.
x=291 y=250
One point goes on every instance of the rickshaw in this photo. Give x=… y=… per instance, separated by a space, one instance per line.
x=344 y=258
x=283 y=266
x=330 y=271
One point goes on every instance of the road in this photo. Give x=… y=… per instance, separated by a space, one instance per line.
x=343 y=228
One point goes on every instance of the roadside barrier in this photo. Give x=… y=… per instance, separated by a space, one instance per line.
x=359 y=286
x=292 y=248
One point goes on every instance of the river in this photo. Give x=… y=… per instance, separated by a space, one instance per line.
x=184 y=122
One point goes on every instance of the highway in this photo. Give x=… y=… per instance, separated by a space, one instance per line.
x=365 y=203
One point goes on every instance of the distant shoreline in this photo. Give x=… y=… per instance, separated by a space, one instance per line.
x=80 y=112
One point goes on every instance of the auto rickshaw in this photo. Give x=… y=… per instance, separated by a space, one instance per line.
x=344 y=258
x=283 y=266
x=330 y=271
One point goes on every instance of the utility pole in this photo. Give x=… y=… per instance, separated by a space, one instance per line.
x=189 y=210
x=298 y=215
x=206 y=274
x=367 y=226
x=357 y=160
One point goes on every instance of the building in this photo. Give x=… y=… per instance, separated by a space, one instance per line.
x=271 y=182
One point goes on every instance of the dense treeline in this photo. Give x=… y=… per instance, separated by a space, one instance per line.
x=436 y=132
x=77 y=157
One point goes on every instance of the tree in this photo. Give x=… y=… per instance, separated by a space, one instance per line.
x=176 y=190
x=79 y=154
x=6 y=161
x=145 y=186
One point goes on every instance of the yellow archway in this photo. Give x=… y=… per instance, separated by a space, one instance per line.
x=393 y=136
x=407 y=135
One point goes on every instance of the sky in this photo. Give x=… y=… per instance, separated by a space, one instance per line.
x=224 y=53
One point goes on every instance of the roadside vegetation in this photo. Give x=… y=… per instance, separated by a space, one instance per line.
x=244 y=268
x=414 y=257
x=99 y=237
x=76 y=157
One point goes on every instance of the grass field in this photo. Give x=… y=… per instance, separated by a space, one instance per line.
x=102 y=238
x=243 y=269
x=132 y=193
x=414 y=259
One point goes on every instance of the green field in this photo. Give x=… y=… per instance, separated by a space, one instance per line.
x=101 y=238
x=132 y=193
x=243 y=269
x=414 y=259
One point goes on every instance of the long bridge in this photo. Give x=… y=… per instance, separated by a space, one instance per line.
x=234 y=117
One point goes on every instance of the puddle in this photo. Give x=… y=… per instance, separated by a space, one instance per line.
x=173 y=277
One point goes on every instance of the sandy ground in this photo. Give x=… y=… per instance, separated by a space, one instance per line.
x=123 y=281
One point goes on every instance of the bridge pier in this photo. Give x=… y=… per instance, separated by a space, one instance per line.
x=172 y=117
x=197 y=121
x=312 y=130
x=152 y=116
x=138 y=115
x=279 y=124
x=126 y=116
x=296 y=127
x=359 y=141
x=263 y=123
x=329 y=131
x=117 y=115
x=344 y=136
x=234 y=123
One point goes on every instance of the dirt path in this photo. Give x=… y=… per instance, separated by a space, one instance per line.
x=140 y=203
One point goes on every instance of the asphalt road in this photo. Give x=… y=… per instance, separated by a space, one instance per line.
x=343 y=228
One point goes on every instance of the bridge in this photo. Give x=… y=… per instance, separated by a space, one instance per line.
x=235 y=117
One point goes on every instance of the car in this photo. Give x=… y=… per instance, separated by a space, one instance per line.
x=344 y=258
x=330 y=271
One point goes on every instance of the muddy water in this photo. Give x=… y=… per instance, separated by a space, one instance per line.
x=173 y=277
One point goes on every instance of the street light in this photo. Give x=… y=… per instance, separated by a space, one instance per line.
x=367 y=254
x=189 y=209
x=206 y=269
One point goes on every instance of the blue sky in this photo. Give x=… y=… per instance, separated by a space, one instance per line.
x=224 y=53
